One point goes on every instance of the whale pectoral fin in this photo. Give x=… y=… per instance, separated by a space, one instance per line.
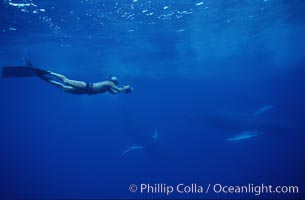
x=245 y=135
x=263 y=109
x=132 y=148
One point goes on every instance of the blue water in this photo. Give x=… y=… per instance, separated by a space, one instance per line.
x=203 y=72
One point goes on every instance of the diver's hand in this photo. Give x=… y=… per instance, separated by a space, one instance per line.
x=127 y=89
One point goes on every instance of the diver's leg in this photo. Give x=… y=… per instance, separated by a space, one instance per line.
x=59 y=76
x=73 y=83
x=63 y=87
x=57 y=84
x=76 y=84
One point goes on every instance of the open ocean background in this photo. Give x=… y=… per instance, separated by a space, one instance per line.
x=200 y=71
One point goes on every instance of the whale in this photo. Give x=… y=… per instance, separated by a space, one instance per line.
x=267 y=119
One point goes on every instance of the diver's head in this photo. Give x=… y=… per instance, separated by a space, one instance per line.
x=114 y=80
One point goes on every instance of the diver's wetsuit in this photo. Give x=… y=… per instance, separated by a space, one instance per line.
x=89 y=87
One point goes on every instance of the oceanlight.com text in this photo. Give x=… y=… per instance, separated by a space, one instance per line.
x=195 y=188
x=255 y=189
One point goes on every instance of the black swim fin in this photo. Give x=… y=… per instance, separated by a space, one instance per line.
x=13 y=72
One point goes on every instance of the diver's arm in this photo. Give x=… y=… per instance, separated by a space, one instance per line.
x=115 y=89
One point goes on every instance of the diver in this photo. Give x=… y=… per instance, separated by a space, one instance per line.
x=68 y=85
x=83 y=87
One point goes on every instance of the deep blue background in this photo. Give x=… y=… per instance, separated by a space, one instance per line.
x=184 y=60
